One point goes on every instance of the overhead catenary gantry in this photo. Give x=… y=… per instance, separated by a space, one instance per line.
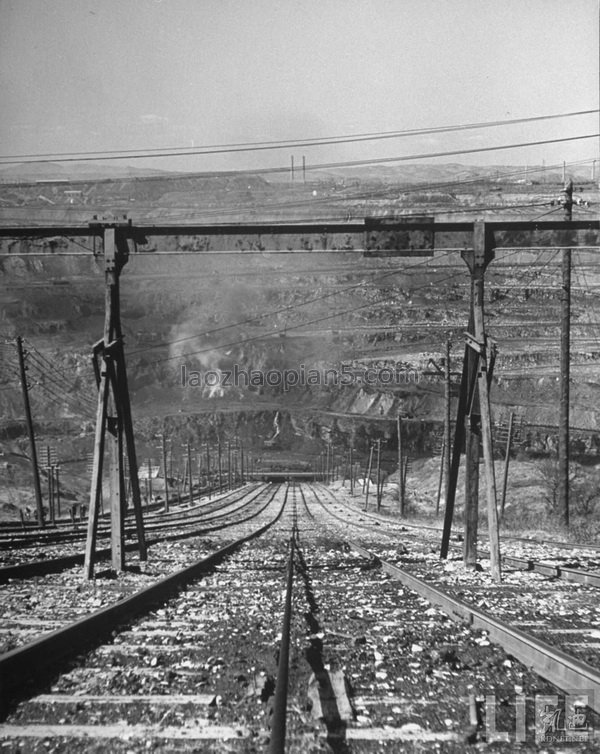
x=404 y=237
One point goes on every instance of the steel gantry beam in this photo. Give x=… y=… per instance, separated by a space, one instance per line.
x=402 y=236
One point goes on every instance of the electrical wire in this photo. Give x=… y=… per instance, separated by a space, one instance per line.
x=288 y=328
x=346 y=163
x=282 y=310
x=379 y=193
x=269 y=145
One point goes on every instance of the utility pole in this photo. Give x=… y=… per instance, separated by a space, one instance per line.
x=57 y=488
x=351 y=470
x=441 y=479
x=565 y=364
x=34 y=464
x=400 y=467
x=150 y=493
x=199 y=473
x=220 y=466
x=50 y=474
x=368 y=477
x=228 y=464
x=164 y=457
x=507 y=461
x=378 y=473
x=208 y=480
x=191 y=480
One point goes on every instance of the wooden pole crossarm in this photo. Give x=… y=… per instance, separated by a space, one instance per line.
x=473 y=343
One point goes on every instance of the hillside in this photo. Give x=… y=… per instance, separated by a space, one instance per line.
x=277 y=312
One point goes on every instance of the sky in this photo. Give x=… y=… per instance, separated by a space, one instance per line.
x=95 y=75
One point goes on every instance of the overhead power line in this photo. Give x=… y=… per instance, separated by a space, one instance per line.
x=117 y=154
x=364 y=162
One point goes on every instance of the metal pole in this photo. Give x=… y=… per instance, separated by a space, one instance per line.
x=30 y=431
x=351 y=470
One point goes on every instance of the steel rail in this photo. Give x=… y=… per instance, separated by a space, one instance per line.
x=153 y=512
x=562 y=670
x=278 y=722
x=158 y=520
x=29 y=664
x=55 y=565
x=577 y=575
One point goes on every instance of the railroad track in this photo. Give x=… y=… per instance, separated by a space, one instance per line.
x=61 y=534
x=32 y=605
x=195 y=521
x=581 y=565
x=199 y=659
